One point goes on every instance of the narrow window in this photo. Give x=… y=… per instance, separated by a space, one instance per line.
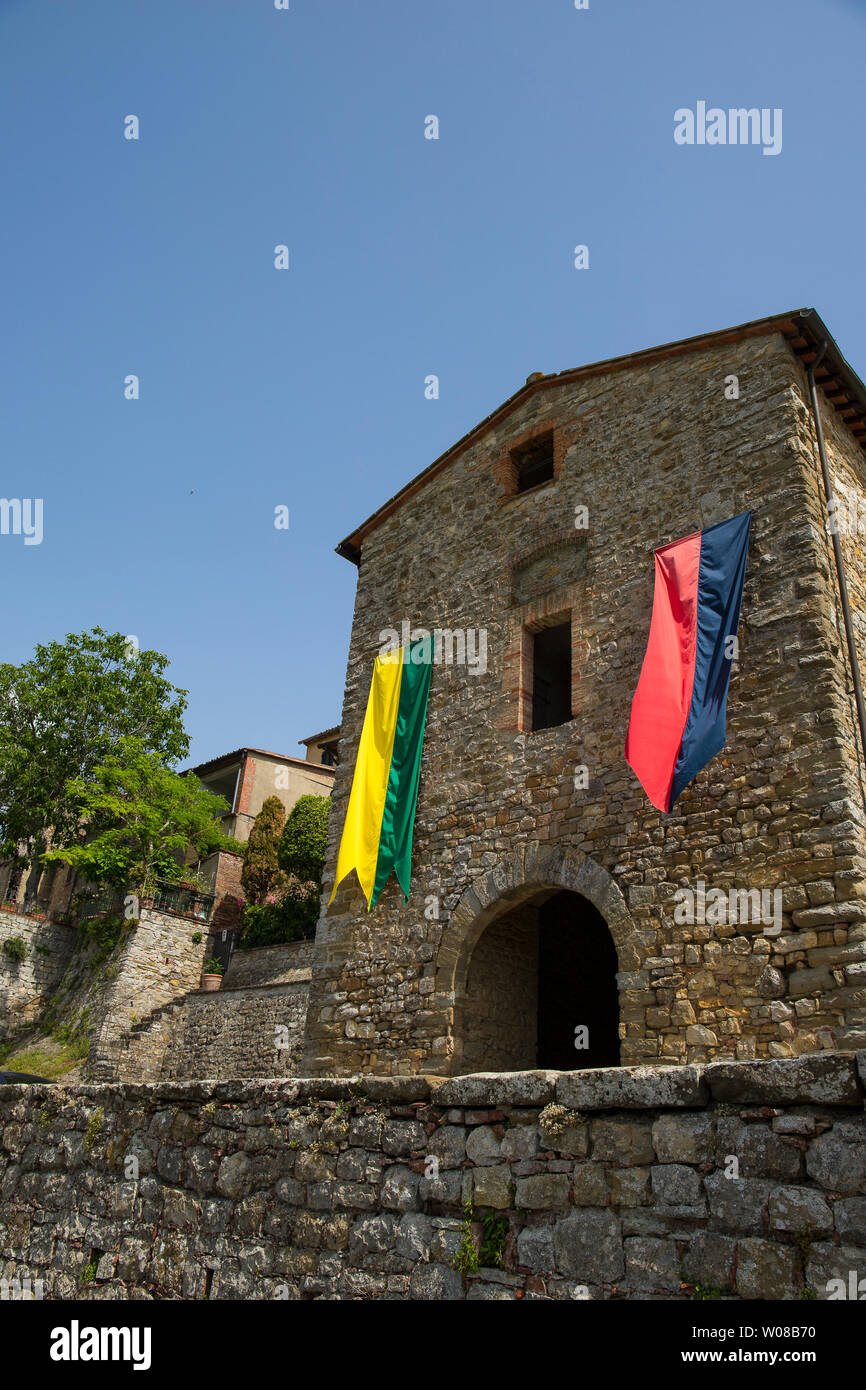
x=533 y=462
x=551 y=676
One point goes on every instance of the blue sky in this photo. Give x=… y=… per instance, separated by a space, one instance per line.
x=305 y=387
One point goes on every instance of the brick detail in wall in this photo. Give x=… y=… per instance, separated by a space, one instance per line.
x=245 y=788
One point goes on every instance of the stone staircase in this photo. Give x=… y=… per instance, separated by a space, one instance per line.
x=138 y=1056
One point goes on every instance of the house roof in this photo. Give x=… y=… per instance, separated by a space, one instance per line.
x=803 y=329
x=327 y=735
x=226 y=759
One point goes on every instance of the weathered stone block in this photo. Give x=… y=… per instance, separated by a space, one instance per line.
x=492 y=1187
x=588 y=1247
x=400 y=1189
x=435 y=1282
x=632 y=1088
x=824 y=1079
x=837 y=1159
x=448 y=1144
x=535 y=1248
x=372 y=1234
x=622 y=1142
x=629 y=1187
x=684 y=1138
x=800 y=1211
x=544 y=1191
x=590 y=1185
x=675 y=1185
x=496 y=1088
x=737 y=1204
x=651 y=1264
x=767 y=1271
x=849 y=1215
x=709 y=1260
x=483 y=1145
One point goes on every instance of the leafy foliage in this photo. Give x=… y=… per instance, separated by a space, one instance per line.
x=62 y=714
x=305 y=838
x=288 y=914
x=289 y=908
x=261 y=868
x=142 y=818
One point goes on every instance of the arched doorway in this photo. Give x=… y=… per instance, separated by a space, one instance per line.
x=541 y=989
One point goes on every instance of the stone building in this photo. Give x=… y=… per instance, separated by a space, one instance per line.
x=544 y=925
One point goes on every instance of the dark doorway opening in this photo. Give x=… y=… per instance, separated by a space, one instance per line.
x=540 y=971
x=577 y=988
x=551 y=676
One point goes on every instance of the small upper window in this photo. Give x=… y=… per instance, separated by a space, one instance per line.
x=533 y=462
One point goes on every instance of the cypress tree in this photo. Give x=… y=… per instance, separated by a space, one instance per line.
x=261 y=867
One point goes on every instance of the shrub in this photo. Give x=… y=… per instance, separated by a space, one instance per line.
x=15 y=947
x=290 y=914
x=305 y=838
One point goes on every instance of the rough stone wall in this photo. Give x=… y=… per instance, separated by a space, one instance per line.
x=847 y=465
x=609 y=1184
x=156 y=963
x=654 y=451
x=500 y=1021
x=26 y=986
x=269 y=965
x=253 y=1026
x=239 y=1033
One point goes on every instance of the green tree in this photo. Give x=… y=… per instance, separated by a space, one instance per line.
x=62 y=715
x=305 y=839
x=261 y=869
x=141 y=819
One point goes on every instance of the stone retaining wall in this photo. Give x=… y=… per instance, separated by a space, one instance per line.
x=26 y=985
x=239 y=1033
x=270 y=965
x=735 y=1181
x=156 y=963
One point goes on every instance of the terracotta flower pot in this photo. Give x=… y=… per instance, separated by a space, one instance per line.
x=211 y=983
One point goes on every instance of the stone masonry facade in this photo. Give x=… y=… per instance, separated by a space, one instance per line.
x=607 y=1184
x=654 y=450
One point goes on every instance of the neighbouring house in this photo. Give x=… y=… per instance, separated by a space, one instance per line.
x=246 y=778
x=324 y=747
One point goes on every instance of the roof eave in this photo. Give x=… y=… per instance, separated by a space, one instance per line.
x=802 y=328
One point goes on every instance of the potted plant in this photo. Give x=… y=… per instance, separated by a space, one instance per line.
x=211 y=975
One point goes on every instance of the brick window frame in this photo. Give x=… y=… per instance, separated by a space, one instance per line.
x=559 y=606
x=506 y=471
